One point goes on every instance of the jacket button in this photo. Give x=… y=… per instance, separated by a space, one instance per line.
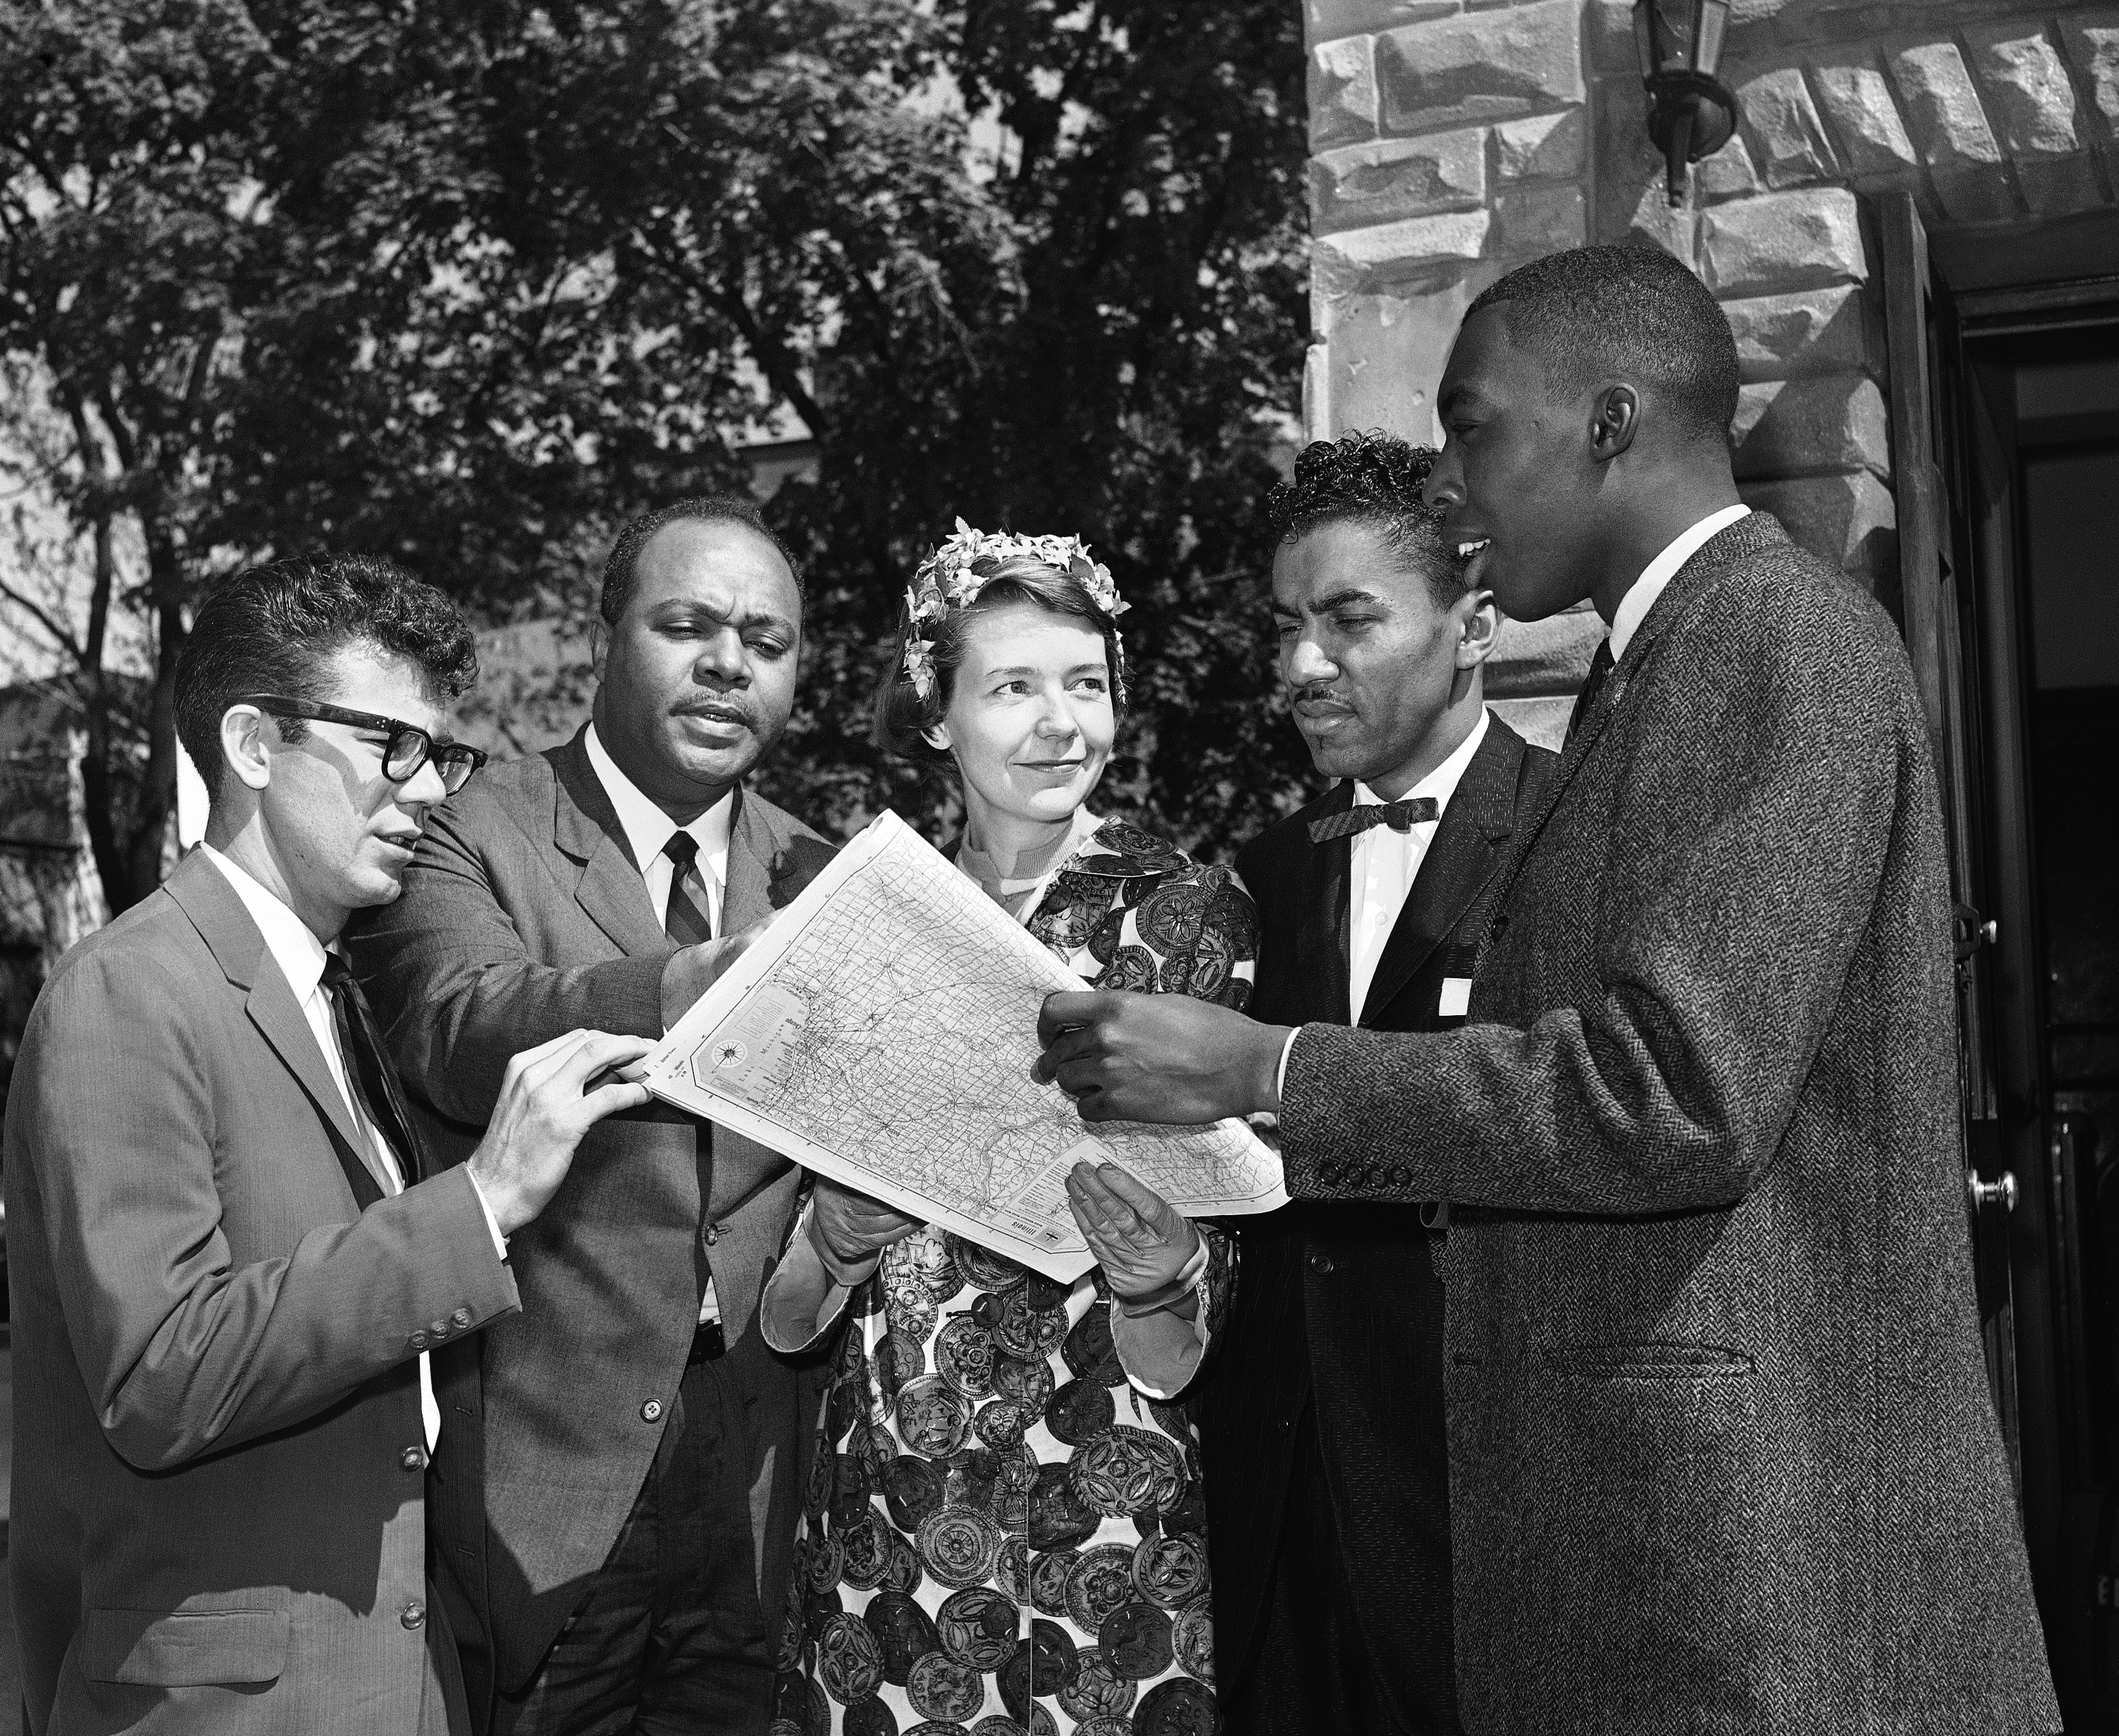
x=461 y=1318
x=713 y=1235
x=1320 y=1264
x=418 y=1341
x=651 y=1411
x=413 y=1458
x=414 y=1614
x=438 y=1329
x=1499 y=926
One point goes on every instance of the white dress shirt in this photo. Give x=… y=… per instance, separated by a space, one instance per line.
x=1385 y=863
x=648 y=831
x=1381 y=875
x=1641 y=595
x=300 y=956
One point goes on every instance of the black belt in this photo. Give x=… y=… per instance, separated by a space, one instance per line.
x=707 y=1343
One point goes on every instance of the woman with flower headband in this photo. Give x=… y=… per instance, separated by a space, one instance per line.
x=1004 y=1530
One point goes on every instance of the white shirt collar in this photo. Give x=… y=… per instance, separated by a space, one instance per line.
x=1641 y=595
x=1440 y=783
x=299 y=953
x=648 y=828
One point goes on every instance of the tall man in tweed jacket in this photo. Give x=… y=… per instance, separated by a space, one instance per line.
x=1721 y=1452
x=615 y=1498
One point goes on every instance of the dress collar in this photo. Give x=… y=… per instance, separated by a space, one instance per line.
x=1440 y=783
x=646 y=827
x=1641 y=595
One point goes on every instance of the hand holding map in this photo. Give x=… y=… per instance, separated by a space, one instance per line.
x=883 y=1032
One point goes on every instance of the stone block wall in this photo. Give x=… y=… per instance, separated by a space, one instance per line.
x=1453 y=139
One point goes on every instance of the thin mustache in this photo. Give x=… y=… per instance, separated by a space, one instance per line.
x=1301 y=693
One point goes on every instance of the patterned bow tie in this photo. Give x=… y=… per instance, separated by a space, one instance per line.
x=1400 y=816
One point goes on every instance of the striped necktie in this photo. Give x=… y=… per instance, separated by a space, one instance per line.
x=688 y=918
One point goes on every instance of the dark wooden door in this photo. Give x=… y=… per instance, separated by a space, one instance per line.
x=1933 y=474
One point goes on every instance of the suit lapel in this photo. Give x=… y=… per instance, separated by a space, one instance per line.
x=585 y=829
x=1468 y=848
x=238 y=948
x=1320 y=905
x=748 y=896
x=1720 y=552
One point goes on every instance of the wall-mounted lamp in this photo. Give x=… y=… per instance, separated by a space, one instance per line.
x=1691 y=114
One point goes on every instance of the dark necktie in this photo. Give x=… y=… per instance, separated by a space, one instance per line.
x=1400 y=816
x=1592 y=684
x=368 y=1074
x=688 y=919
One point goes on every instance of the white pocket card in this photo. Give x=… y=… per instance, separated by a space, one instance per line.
x=1456 y=997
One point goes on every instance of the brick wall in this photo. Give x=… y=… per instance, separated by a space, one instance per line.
x=1452 y=139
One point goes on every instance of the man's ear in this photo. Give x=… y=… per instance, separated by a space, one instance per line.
x=599 y=647
x=1479 y=627
x=247 y=737
x=1616 y=420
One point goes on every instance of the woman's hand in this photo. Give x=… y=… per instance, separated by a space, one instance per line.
x=847 y=1227
x=1141 y=1239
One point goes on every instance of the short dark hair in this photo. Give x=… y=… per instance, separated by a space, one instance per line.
x=1372 y=478
x=1633 y=311
x=621 y=570
x=902 y=717
x=271 y=629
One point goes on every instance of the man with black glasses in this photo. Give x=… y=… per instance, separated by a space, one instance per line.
x=231 y=1256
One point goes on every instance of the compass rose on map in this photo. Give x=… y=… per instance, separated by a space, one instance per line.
x=728 y=1052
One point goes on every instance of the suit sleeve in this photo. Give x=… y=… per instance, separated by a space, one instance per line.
x=458 y=991
x=1739 y=877
x=182 y=1352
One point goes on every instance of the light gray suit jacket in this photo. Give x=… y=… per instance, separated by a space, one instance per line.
x=1722 y=1453
x=218 y=1518
x=524 y=917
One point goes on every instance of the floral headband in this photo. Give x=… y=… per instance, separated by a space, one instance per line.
x=949 y=579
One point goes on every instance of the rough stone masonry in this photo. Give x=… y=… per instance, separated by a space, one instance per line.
x=1452 y=139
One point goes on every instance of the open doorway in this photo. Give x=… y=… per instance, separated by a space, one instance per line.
x=2031 y=465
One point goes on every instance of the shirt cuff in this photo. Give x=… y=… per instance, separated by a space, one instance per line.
x=491 y=1222
x=1280 y=1078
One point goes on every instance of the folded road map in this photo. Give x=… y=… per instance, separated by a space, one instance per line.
x=883 y=1031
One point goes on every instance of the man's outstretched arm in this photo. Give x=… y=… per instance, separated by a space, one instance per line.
x=1719 y=962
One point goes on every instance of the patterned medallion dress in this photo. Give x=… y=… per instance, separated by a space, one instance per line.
x=1002 y=1534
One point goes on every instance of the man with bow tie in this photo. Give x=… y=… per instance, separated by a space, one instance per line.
x=1327 y=1467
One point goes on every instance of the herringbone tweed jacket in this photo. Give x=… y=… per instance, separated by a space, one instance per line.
x=1722 y=1453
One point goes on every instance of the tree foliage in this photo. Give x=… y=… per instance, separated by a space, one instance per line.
x=470 y=282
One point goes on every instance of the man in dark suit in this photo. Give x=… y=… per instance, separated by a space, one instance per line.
x=1322 y=1433
x=616 y=1508
x=229 y=1260
x=1721 y=1451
